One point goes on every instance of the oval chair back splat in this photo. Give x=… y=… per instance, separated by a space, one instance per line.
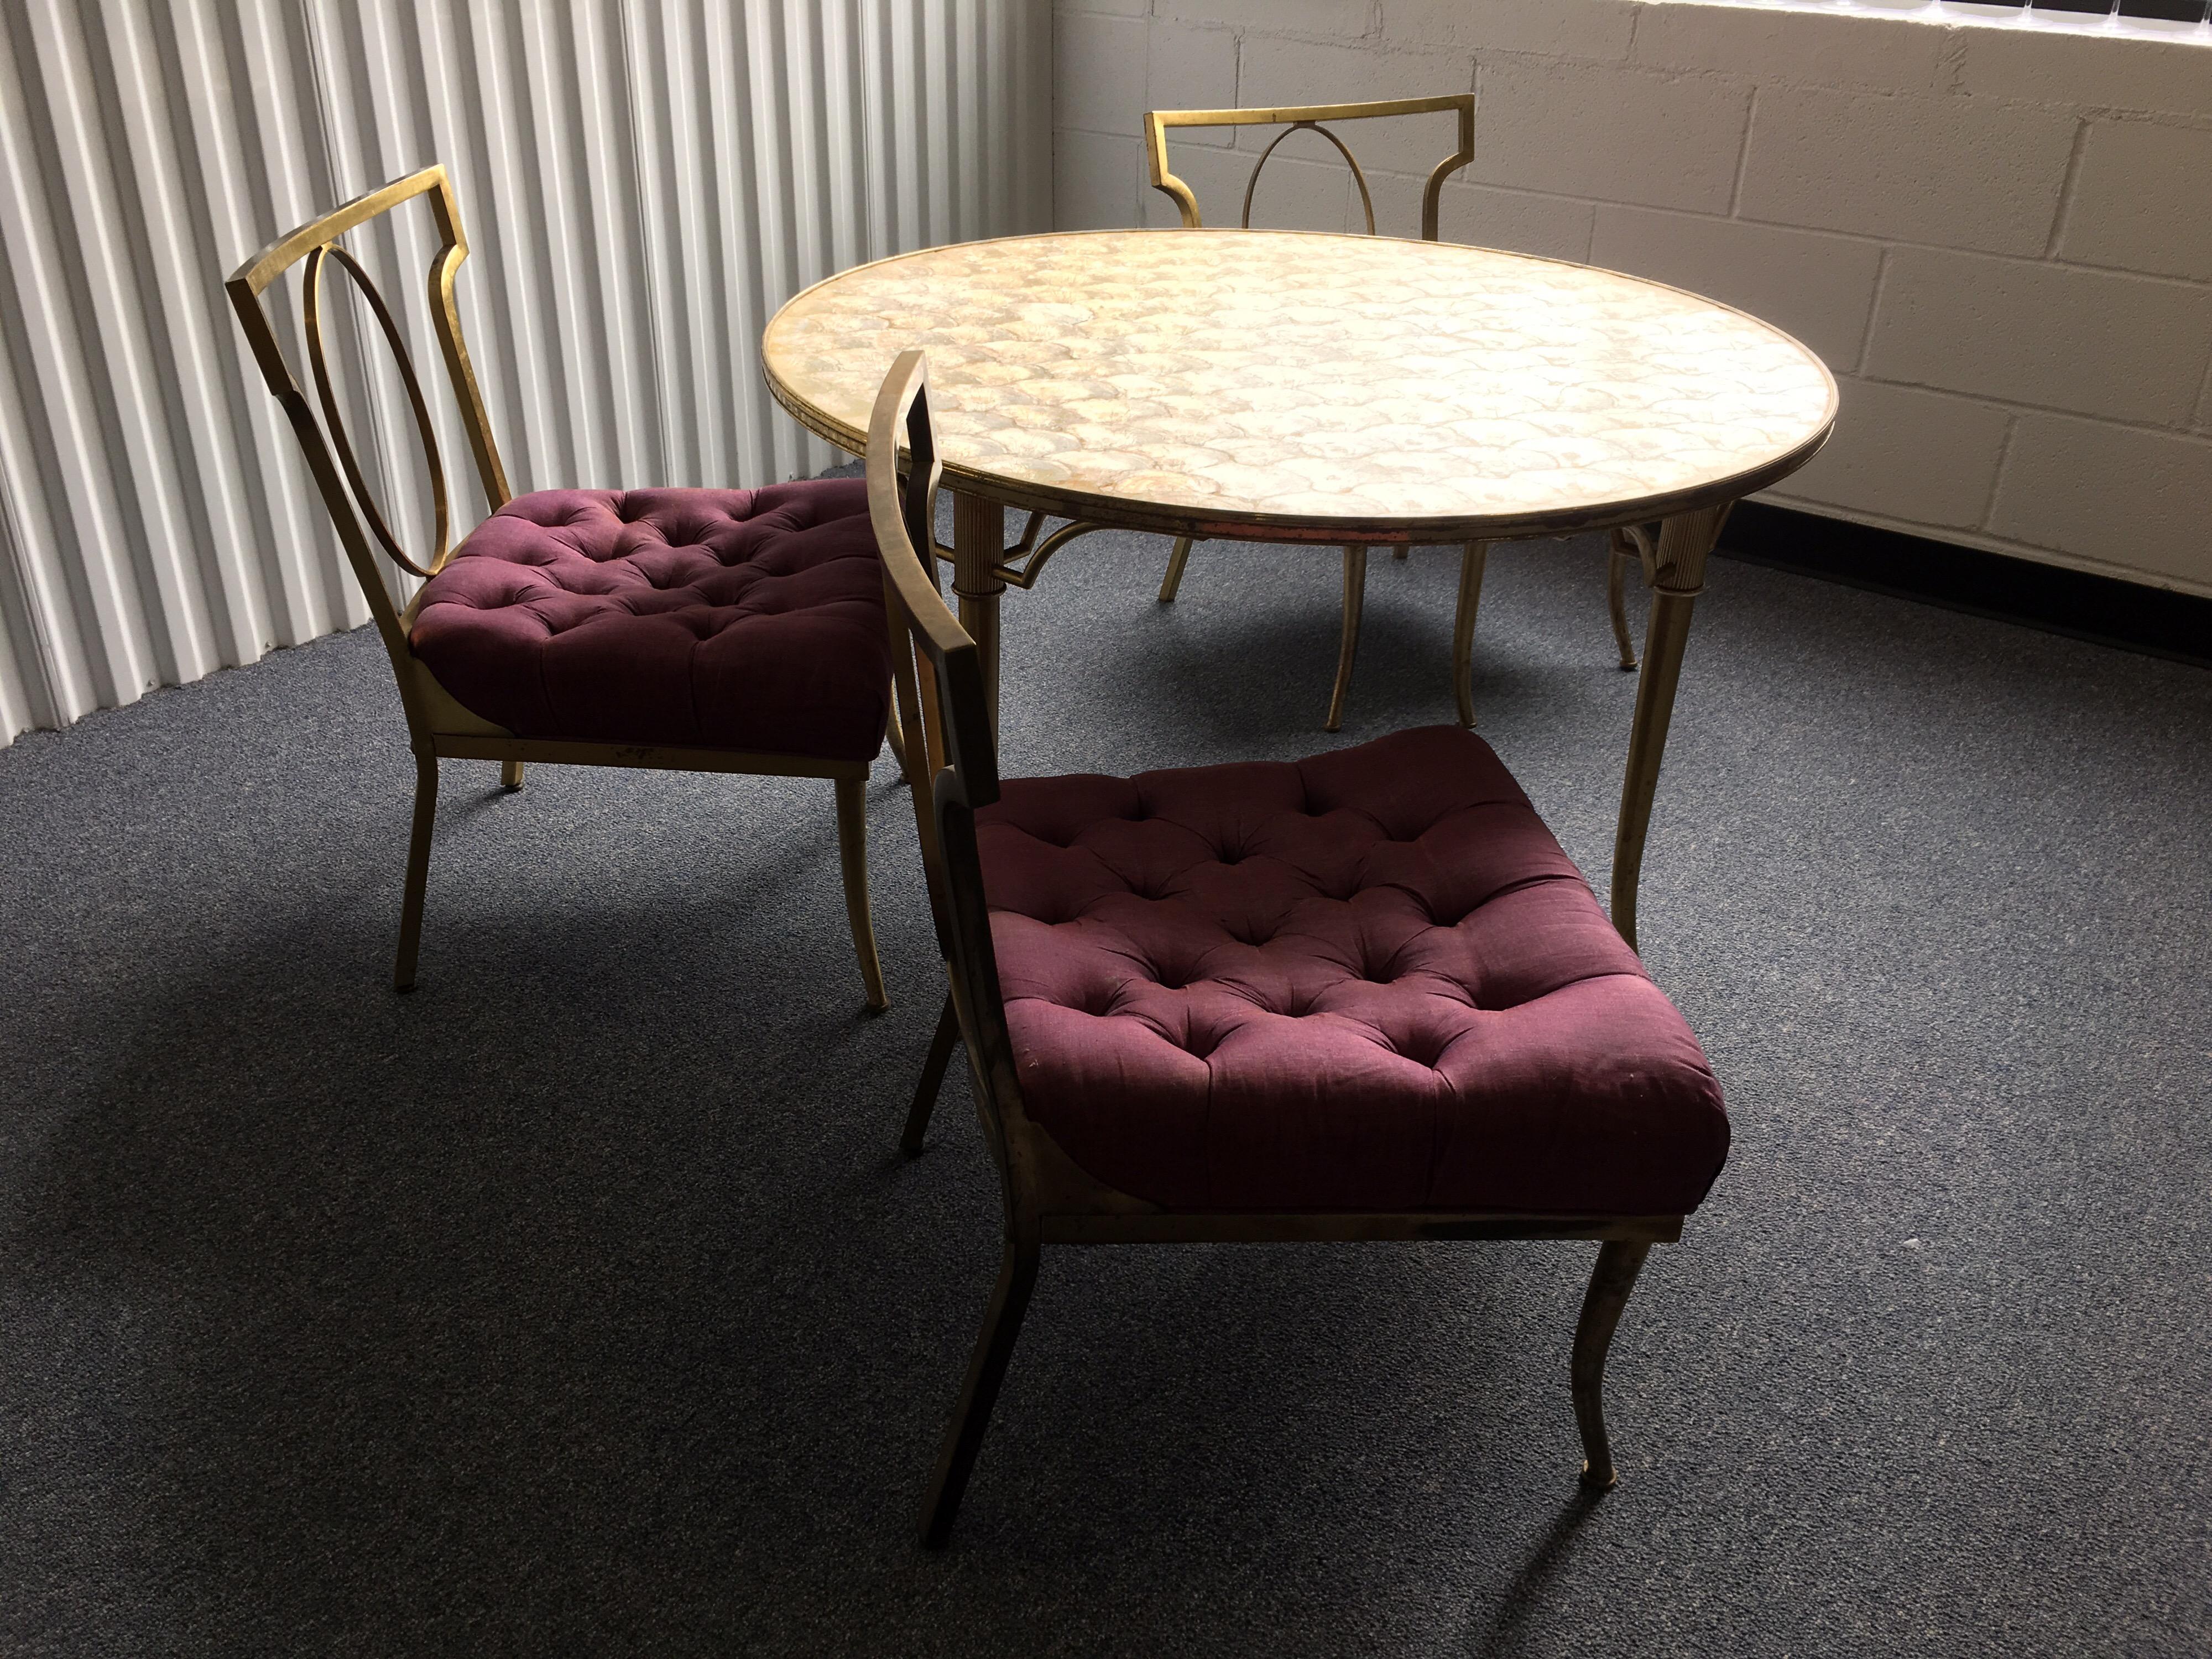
x=707 y=630
x=1363 y=996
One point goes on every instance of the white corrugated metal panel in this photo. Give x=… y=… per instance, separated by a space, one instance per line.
x=643 y=182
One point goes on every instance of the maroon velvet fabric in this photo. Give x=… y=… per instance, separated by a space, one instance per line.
x=704 y=618
x=1369 y=980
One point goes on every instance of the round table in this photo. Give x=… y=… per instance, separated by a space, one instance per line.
x=1299 y=387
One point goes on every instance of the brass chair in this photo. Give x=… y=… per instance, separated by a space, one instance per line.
x=1308 y=118
x=1362 y=997
x=700 y=630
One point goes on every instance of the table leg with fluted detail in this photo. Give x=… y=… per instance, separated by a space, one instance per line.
x=1675 y=566
x=979 y=543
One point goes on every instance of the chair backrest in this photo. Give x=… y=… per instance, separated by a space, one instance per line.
x=950 y=756
x=1304 y=118
x=330 y=454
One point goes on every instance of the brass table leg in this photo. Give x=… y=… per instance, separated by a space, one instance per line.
x=979 y=541
x=1176 y=559
x=1616 y=594
x=1470 y=596
x=1355 y=592
x=1684 y=542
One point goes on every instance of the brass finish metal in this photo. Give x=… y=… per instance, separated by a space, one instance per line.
x=1619 y=1262
x=1616 y=593
x=311 y=279
x=1177 y=558
x=1020 y=564
x=979 y=530
x=1024 y=575
x=418 y=871
x=979 y=1390
x=951 y=763
x=1677 y=577
x=1347 y=648
x=439 y=727
x=1471 y=561
x=1366 y=201
x=942 y=1042
x=853 y=867
x=1158 y=122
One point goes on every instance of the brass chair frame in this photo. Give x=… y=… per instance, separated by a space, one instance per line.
x=951 y=763
x=439 y=727
x=1310 y=118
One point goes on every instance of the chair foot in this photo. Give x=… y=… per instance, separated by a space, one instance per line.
x=941 y=1045
x=853 y=862
x=510 y=774
x=1614 y=1276
x=1355 y=594
x=1616 y=597
x=1402 y=554
x=1176 y=561
x=418 y=871
x=1471 y=562
x=986 y=1371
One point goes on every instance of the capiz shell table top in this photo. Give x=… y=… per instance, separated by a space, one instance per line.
x=1210 y=380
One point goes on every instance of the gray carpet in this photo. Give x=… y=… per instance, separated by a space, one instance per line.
x=579 y=1302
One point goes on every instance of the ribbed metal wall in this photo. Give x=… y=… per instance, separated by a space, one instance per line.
x=643 y=182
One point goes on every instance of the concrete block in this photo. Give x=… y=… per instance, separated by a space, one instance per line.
x=1816 y=286
x=1599 y=29
x=1343 y=19
x=2139 y=197
x=1480 y=217
x=2127 y=346
x=1095 y=179
x=1298 y=191
x=1920 y=457
x=1614 y=134
x=1956 y=172
x=1098 y=73
x=1192 y=69
x=2116 y=495
x=2088 y=67
x=1878 y=52
x=1277 y=72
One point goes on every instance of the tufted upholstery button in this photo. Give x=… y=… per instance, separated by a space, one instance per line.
x=1371 y=1057
x=713 y=618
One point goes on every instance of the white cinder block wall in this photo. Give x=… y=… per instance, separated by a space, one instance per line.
x=1998 y=234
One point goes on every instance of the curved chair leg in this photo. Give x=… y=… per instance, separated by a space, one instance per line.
x=1471 y=562
x=941 y=1045
x=1355 y=594
x=897 y=737
x=853 y=858
x=964 y=1435
x=1614 y=1276
x=1616 y=596
x=1176 y=560
x=510 y=774
x=418 y=871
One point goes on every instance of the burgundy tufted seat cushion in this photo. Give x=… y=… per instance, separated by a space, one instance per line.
x=709 y=619
x=1369 y=980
